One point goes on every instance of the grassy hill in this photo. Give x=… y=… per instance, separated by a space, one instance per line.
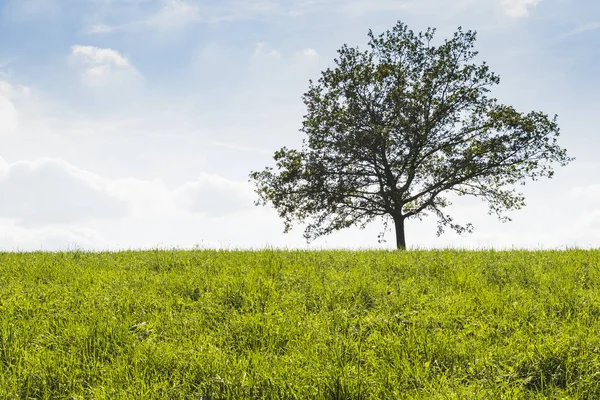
x=295 y=324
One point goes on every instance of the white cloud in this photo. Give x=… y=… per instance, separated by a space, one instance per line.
x=240 y=147
x=226 y=118
x=101 y=67
x=215 y=196
x=243 y=10
x=590 y=193
x=51 y=204
x=590 y=220
x=262 y=50
x=309 y=53
x=13 y=91
x=530 y=228
x=172 y=16
x=33 y=8
x=52 y=191
x=519 y=8
x=102 y=28
x=361 y=7
x=583 y=28
x=9 y=116
x=175 y=14
x=97 y=56
x=145 y=197
x=50 y=238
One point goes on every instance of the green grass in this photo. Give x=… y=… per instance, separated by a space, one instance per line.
x=294 y=324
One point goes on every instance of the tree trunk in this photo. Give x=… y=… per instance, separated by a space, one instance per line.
x=400 y=238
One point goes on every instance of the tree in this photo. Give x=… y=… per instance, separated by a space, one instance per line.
x=393 y=131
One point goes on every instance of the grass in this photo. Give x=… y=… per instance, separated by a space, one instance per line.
x=299 y=325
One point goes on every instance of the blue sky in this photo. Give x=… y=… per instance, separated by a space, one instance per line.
x=135 y=123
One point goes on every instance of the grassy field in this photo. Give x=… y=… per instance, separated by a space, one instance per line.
x=300 y=325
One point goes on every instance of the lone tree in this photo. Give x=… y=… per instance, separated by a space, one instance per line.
x=393 y=131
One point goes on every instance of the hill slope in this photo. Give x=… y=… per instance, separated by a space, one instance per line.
x=294 y=324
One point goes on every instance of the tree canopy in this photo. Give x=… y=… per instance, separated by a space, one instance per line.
x=395 y=131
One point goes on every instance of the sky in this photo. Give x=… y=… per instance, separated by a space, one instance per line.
x=130 y=124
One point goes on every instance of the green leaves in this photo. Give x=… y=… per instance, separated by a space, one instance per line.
x=392 y=130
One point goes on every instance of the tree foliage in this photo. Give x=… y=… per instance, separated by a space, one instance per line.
x=396 y=130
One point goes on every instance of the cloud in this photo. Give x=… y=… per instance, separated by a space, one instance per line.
x=52 y=191
x=13 y=91
x=262 y=50
x=101 y=67
x=590 y=193
x=102 y=28
x=50 y=238
x=215 y=196
x=240 y=147
x=174 y=15
x=309 y=53
x=531 y=228
x=240 y=10
x=51 y=204
x=519 y=8
x=9 y=116
x=32 y=8
x=583 y=28
x=95 y=55
x=361 y=7
x=590 y=220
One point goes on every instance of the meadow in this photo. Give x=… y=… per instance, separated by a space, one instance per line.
x=271 y=324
